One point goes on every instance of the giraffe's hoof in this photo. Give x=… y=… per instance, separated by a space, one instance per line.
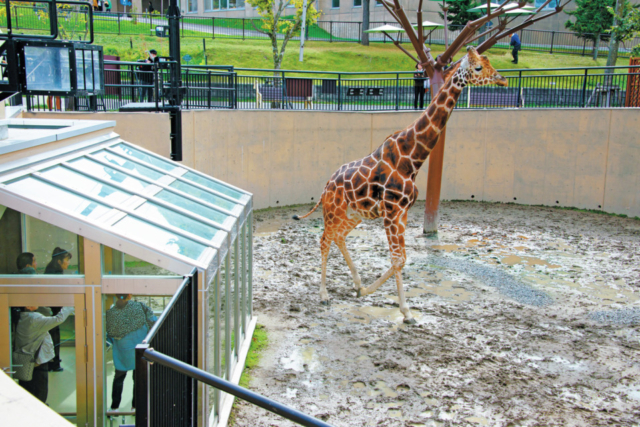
x=325 y=302
x=359 y=292
x=410 y=321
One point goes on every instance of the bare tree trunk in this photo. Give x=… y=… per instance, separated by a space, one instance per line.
x=365 y=22
x=596 y=45
x=613 y=43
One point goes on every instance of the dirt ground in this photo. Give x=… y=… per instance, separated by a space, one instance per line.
x=527 y=316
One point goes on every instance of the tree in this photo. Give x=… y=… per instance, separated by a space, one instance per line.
x=276 y=27
x=458 y=12
x=592 y=21
x=435 y=68
x=626 y=25
x=365 y=22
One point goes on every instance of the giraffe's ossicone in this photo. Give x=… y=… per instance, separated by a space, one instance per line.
x=382 y=184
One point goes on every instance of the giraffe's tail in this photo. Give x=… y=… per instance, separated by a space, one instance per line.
x=297 y=218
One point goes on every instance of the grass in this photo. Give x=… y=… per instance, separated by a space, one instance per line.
x=259 y=342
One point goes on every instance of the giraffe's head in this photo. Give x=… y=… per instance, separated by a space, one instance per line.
x=479 y=71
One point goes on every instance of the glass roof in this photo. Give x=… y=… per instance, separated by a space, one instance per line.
x=141 y=197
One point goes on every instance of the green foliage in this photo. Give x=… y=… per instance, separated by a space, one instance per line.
x=628 y=22
x=458 y=12
x=273 y=23
x=592 y=18
x=636 y=51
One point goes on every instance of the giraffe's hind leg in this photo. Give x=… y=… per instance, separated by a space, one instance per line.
x=357 y=282
x=325 y=246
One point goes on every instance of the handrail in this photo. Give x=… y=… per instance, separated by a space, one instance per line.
x=231 y=388
x=165 y=313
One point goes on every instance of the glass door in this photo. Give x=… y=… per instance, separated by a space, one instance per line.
x=61 y=379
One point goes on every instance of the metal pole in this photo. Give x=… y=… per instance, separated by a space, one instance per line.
x=397 y=90
x=553 y=34
x=142 y=387
x=304 y=27
x=584 y=88
x=519 y=87
x=330 y=31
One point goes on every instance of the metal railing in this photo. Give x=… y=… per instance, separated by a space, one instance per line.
x=166 y=375
x=27 y=18
x=243 y=88
x=164 y=396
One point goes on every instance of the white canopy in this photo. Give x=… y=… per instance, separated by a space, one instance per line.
x=430 y=25
x=385 y=29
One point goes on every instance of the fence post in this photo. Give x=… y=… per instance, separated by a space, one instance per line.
x=284 y=92
x=584 y=88
x=584 y=46
x=213 y=28
x=339 y=91
x=397 y=90
x=182 y=22
x=142 y=386
x=519 y=88
x=360 y=32
x=187 y=86
x=16 y=15
x=553 y=34
x=118 y=24
x=242 y=28
x=209 y=91
x=331 y=32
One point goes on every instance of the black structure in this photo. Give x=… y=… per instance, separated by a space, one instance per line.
x=173 y=92
x=38 y=64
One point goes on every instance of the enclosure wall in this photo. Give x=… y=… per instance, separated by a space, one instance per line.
x=581 y=158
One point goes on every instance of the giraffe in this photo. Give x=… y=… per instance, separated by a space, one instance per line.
x=382 y=184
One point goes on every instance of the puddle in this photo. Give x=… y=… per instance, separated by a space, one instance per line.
x=478 y=420
x=530 y=261
x=301 y=359
x=448 y=289
x=446 y=248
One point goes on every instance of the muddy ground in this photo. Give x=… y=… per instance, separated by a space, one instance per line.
x=527 y=316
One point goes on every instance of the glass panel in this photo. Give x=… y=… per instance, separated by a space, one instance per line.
x=203 y=195
x=213 y=330
x=57 y=198
x=192 y=206
x=47 y=68
x=115 y=262
x=222 y=296
x=335 y=3
x=29 y=245
x=97 y=71
x=153 y=160
x=216 y=4
x=119 y=353
x=164 y=216
x=61 y=355
x=135 y=168
x=357 y=3
x=105 y=172
x=159 y=238
x=86 y=185
x=232 y=4
x=193 y=5
x=213 y=185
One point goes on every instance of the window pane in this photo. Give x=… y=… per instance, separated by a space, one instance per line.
x=105 y=172
x=193 y=5
x=216 y=4
x=357 y=3
x=192 y=206
x=203 y=195
x=232 y=4
x=335 y=3
x=164 y=216
x=159 y=238
x=86 y=185
x=59 y=199
x=135 y=168
x=153 y=160
x=213 y=185
x=208 y=4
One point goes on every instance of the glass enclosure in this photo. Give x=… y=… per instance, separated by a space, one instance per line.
x=106 y=227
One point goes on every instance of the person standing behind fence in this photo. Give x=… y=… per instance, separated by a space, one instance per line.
x=147 y=76
x=418 y=87
x=127 y=324
x=515 y=43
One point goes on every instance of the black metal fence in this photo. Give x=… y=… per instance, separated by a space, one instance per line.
x=28 y=18
x=220 y=87
x=163 y=396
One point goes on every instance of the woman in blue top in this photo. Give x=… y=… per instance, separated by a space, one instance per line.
x=128 y=322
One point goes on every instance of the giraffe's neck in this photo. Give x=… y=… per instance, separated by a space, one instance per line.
x=432 y=121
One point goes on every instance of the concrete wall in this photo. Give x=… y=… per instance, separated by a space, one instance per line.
x=580 y=158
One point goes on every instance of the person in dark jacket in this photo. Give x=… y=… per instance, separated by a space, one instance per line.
x=418 y=87
x=146 y=76
x=59 y=263
x=515 y=43
x=26 y=263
